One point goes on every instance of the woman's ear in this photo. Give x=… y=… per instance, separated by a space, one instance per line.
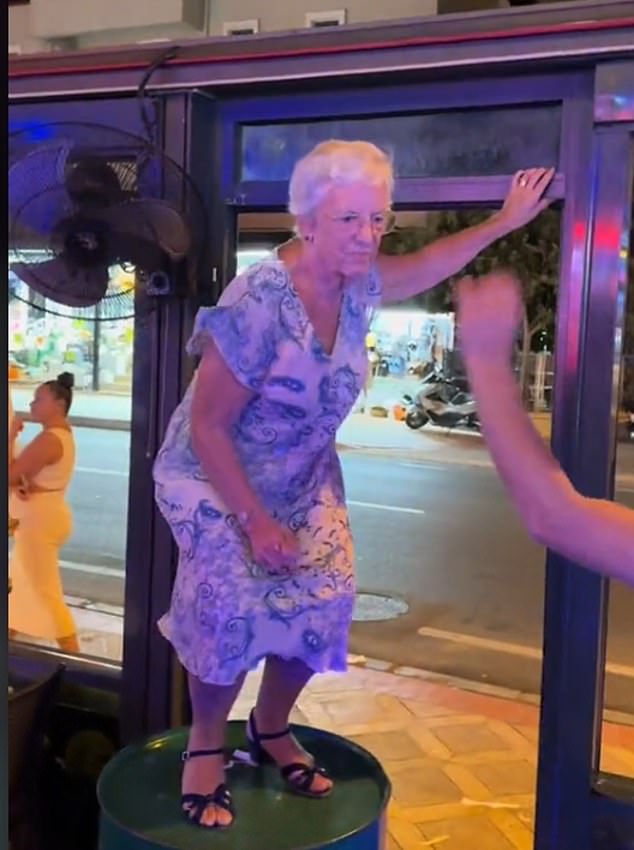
x=306 y=227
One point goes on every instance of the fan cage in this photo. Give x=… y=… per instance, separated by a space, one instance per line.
x=143 y=171
x=118 y=303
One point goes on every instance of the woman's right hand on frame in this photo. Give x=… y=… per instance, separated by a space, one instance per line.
x=274 y=547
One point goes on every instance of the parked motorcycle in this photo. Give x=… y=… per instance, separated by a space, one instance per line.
x=415 y=416
x=445 y=402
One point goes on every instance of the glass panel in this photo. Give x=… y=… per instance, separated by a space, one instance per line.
x=91 y=560
x=448 y=580
x=45 y=338
x=469 y=142
x=617 y=750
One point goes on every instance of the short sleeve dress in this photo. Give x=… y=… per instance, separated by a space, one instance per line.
x=227 y=612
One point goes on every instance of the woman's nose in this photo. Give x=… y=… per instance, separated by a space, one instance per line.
x=365 y=232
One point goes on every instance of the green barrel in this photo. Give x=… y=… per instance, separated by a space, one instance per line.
x=139 y=798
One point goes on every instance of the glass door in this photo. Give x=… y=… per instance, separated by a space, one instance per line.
x=447 y=579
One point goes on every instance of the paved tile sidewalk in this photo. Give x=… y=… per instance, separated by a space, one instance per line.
x=462 y=763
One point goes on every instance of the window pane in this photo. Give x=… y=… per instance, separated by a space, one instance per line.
x=92 y=559
x=617 y=751
x=469 y=142
x=447 y=578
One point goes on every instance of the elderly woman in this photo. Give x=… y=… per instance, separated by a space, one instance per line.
x=248 y=477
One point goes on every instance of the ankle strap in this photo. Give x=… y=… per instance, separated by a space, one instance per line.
x=270 y=736
x=264 y=736
x=192 y=754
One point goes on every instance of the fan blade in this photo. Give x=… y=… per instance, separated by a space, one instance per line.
x=39 y=174
x=64 y=283
x=152 y=221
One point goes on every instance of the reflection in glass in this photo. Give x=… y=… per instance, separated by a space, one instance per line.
x=478 y=142
x=45 y=339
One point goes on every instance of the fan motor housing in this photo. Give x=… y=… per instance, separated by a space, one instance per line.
x=159 y=284
x=85 y=242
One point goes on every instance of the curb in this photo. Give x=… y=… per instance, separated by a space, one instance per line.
x=406 y=672
x=363 y=662
x=498 y=691
x=622 y=479
x=87 y=422
x=386 y=451
x=103 y=424
x=413 y=455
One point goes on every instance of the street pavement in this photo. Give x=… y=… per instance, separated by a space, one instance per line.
x=431 y=533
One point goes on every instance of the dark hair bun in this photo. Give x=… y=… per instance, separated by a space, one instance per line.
x=66 y=380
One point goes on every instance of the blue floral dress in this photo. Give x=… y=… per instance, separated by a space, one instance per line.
x=227 y=612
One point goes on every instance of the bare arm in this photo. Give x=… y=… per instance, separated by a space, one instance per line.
x=406 y=275
x=594 y=533
x=217 y=403
x=44 y=450
x=597 y=534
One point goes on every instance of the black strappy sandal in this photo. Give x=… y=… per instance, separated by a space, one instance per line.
x=297 y=776
x=193 y=805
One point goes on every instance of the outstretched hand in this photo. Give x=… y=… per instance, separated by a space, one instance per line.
x=525 y=198
x=489 y=311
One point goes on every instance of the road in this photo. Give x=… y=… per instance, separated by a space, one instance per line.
x=441 y=538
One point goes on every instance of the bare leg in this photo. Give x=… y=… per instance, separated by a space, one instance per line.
x=211 y=705
x=282 y=683
x=70 y=643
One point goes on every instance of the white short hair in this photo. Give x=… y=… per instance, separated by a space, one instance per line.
x=336 y=162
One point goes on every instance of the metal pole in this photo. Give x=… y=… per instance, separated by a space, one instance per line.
x=96 y=337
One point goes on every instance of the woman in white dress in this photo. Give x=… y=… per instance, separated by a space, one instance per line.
x=38 y=478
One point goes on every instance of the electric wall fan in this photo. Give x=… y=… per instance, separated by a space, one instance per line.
x=101 y=222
